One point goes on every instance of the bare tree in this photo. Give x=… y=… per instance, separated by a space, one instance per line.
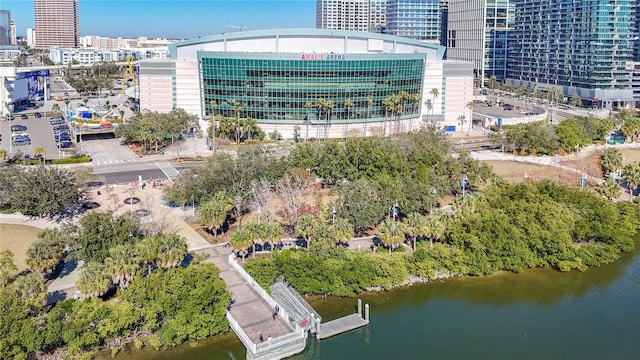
x=260 y=195
x=294 y=190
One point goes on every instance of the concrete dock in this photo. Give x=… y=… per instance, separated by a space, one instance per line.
x=341 y=325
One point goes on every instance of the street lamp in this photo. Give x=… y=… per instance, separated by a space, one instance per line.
x=463 y=183
x=333 y=215
x=434 y=191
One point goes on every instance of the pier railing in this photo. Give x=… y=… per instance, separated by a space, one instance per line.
x=270 y=345
x=244 y=338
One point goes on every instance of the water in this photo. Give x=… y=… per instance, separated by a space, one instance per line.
x=538 y=314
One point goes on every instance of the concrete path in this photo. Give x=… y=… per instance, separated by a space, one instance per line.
x=19 y=219
x=252 y=313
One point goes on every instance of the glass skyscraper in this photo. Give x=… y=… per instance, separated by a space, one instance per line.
x=580 y=46
x=415 y=19
x=5 y=27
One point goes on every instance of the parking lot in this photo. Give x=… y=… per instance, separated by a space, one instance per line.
x=40 y=132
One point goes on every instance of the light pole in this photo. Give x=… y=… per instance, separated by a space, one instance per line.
x=463 y=183
x=333 y=215
x=434 y=191
x=526 y=176
x=259 y=212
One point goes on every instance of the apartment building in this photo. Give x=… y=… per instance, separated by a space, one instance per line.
x=355 y=15
x=57 y=23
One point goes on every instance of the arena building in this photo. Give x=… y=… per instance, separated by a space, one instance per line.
x=326 y=82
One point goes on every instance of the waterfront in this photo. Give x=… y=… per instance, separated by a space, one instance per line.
x=538 y=314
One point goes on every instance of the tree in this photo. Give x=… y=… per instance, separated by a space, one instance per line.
x=369 y=105
x=212 y=118
x=320 y=105
x=294 y=190
x=237 y=107
x=360 y=203
x=241 y=240
x=213 y=212
x=93 y=280
x=55 y=107
x=469 y=106
x=308 y=105
x=97 y=232
x=610 y=189
x=435 y=225
x=610 y=160
x=343 y=230
x=348 y=104
x=8 y=269
x=415 y=100
x=306 y=227
x=42 y=191
x=435 y=93
x=415 y=226
x=32 y=290
x=122 y=264
x=329 y=105
x=272 y=233
x=391 y=233
x=571 y=135
x=46 y=253
x=172 y=249
x=631 y=175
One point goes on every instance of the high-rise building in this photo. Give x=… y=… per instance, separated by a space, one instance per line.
x=356 y=15
x=31 y=38
x=5 y=27
x=478 y=31
x=57 y=23
x=581 y=47
x=415 y=19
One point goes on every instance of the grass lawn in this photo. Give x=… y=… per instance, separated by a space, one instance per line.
x=17 y=239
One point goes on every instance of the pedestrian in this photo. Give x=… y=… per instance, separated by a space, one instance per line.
x=261 y=338
x=273 y=313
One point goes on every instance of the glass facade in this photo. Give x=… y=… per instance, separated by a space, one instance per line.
x=583 y=44
x=414 y=19
x=274 y=88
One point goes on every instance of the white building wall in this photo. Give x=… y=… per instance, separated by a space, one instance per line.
x=156 y=93
x=31 y=38
x=188 y=87
x=433 y=72
x=458 y=92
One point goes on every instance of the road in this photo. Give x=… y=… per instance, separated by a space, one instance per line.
x=128 y=172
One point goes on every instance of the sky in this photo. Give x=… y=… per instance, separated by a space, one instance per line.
x=177 y=19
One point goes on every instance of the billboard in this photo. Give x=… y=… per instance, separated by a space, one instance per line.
x=35 y=81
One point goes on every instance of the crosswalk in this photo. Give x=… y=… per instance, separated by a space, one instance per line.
x=110 y=162
x=167 y=169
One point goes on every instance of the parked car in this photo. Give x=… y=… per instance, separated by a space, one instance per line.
x=24 y=116
x=62 y=136
x=65 y=144
x=56 y=121
x=10 y=117
x=37 y=115
x=20 y=141
x=19 y=134
x=18 y=128
x=508 y=107
x=59 y=128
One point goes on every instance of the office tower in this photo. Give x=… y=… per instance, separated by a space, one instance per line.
x=31 y=38
x=5 y=27
x=581 y=47
x=357 y=15
x=56 y=23
x=478 y=31
x=414 y=19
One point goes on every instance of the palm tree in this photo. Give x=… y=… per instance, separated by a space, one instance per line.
x=414 y=226
x=308 y=105
x=213 y=212
x=39 y=152
x=415 y=99
x=610 y=160
x=391 y=233
x=348 y=104
x=32 y=289
x=8 y=268
x=329 y=105
x=273 y=233
x=305 y=228
x=435 y=225
x=469 y=106
x=389 y=107
x=344 y=230
x=55 y=107
x=369 y=105
x=610 y=189
x=44 y=254
x=93 y=280
x=122 y=264
x=237 y=107
x=435 y=93
x=320 y=105
x=147 y=252
x=631 y=175
x=241 y=240
x=212 y=117
x=257 y=232
x=172 y=249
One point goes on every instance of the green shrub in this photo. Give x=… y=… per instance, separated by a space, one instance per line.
x=72 y=160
